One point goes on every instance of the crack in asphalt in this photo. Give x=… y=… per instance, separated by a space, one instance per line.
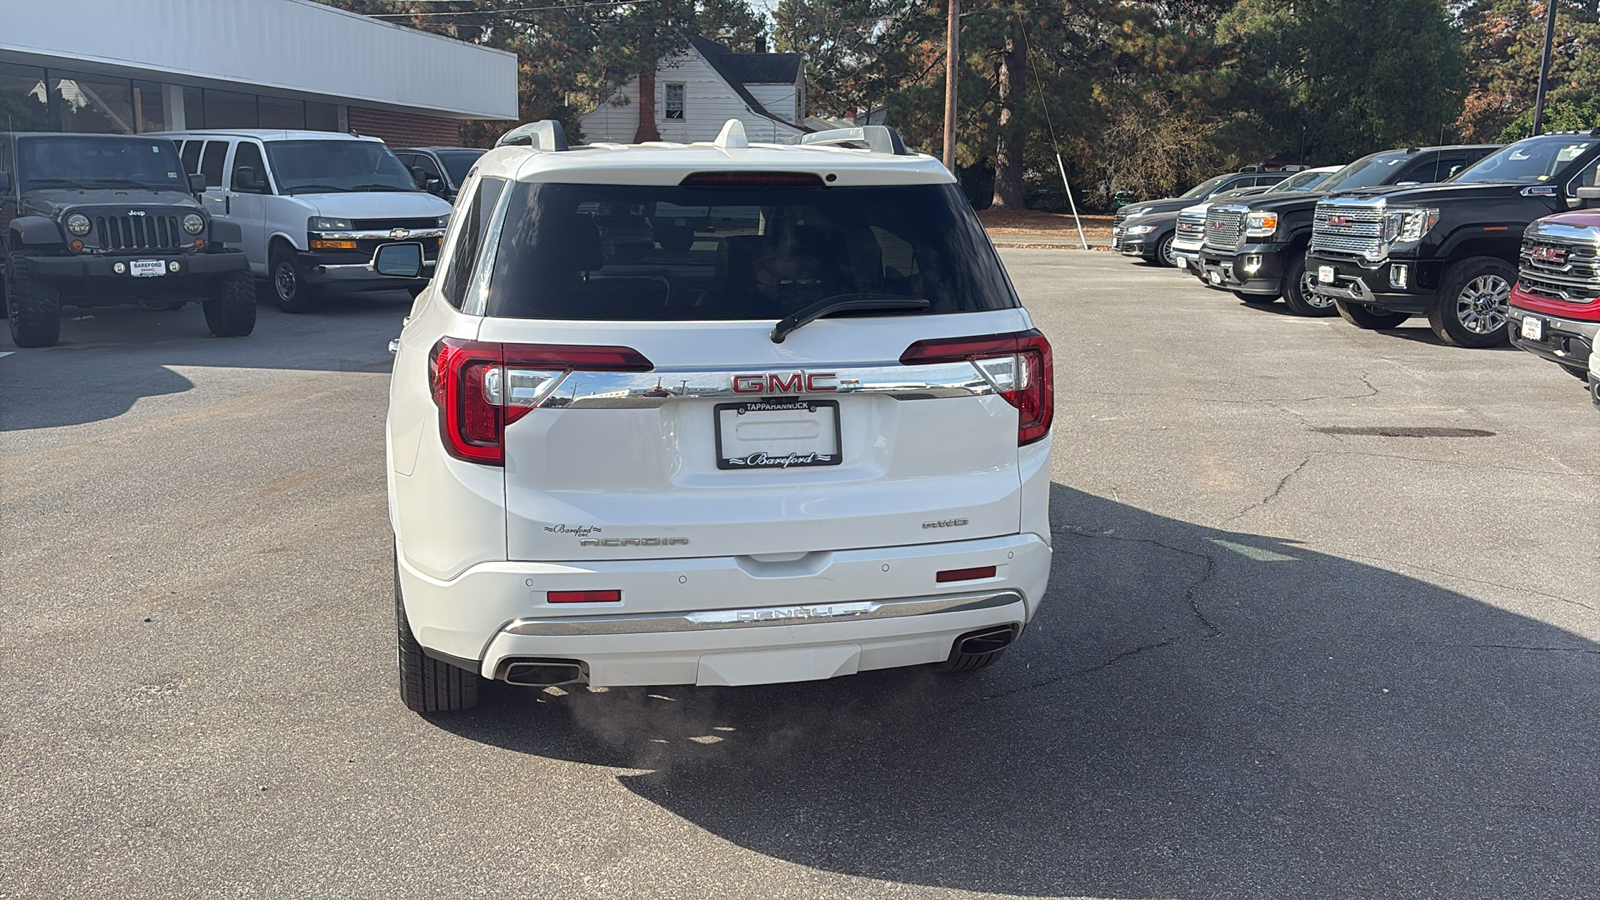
x=1191 y=596
x=1520 y=588
x=1273 y=495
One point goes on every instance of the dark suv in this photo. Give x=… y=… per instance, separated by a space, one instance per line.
x=102 y=220
x=441 y=171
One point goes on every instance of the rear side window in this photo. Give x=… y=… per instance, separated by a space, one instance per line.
x=650 y=253
x=469 y=240
x=211 y=162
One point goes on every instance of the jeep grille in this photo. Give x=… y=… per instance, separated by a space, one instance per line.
x=149 y=232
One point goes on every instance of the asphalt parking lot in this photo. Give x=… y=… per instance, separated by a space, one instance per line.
x=1287 y=653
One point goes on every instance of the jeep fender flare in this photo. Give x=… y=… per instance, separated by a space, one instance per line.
x=34 y=231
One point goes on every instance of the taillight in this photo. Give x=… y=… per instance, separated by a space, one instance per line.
x=1018 y=364
x=482 y=387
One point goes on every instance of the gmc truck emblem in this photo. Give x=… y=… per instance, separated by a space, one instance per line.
x=1548 y=254
x=790 y=383
x=1336 y=220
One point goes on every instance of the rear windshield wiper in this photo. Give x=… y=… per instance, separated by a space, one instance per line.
x=838 y=303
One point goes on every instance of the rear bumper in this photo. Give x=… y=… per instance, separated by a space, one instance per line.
x=338 y=270
x=1566 y=342
x=713 y=621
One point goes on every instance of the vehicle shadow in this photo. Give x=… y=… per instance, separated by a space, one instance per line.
x=109 y=358
x=1194 y=713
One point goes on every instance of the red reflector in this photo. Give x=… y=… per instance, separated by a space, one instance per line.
x=972 y=574
x=752 y=179
x=576 y=356
x=590 y=596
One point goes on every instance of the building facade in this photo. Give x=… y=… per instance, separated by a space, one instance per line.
x=166 y=65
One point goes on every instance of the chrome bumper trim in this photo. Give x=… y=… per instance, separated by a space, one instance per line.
x=1357 y=292
x=411 y=235
x=758 y=617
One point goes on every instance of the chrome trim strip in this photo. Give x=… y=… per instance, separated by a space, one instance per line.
x=1557 y=232
x=760 y=617
x=412 y=234
x=649 y=390
x=1358 y=290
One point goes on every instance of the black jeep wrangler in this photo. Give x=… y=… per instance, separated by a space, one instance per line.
x=103 y=220
x=1447 y=251
x=1256 y=247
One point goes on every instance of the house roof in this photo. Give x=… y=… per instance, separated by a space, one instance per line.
x=733 y=67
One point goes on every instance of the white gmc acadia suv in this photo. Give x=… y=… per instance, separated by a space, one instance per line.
x=720 y=414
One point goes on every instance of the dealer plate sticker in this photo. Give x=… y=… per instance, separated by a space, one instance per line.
x=1325 y=274
x=1533 y=328
x=778 y=433
x=147 y=268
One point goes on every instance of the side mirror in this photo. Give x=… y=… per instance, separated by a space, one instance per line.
x=399 y=260
x=1586 y=196
x=245 y=181
x=5 y=182
x=419 y=177
x=197 y=184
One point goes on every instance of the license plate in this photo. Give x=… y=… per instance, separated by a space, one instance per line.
x=1214 y=277
x=147 y=268
x=1533 y=328
x=1325 y=274
x=1183 y=263
x=778 y=433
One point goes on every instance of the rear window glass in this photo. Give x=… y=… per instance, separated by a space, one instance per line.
x=583 y=251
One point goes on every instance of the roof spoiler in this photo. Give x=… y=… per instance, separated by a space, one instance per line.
x=878 y=138
x=545 y=134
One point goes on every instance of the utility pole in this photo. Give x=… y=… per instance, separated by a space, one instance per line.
x=952 y=69
x=1544 y=65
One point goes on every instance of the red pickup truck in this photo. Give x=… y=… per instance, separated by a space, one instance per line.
x=1555 y=306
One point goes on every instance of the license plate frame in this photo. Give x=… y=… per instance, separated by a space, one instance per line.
x=779 y=451
x=147 y=268
x=1532 y=328
x=1326 y=275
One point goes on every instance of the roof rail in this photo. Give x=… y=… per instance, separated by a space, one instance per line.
x=545 y=134
x=878 y=138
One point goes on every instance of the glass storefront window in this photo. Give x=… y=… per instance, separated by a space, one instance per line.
x=277 y=113
x=149 y=107
x=24 y=104
x=194 y=109
x=225 y=109
x=322 y=116
x=92 y=104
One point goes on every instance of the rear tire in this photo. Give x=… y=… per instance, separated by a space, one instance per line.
x=1298 y=295
x=33 y=308
x=1362 y=316
x=1474 y=303
x=286 y=281
x=231 y=308
x=428 y=685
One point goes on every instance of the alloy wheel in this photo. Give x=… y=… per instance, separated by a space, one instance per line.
x=1308 y=290
x=283 y=281
x=1483 y=304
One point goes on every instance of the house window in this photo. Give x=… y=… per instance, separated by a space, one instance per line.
x=675 y=101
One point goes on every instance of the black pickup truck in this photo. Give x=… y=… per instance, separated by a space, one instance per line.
x=1256 y=247
x=101 y=220
x=1151 y=238
x=1447 y=251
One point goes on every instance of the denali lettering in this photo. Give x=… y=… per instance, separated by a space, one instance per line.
x=781 y=613
x=633 y=542
x=793 y=383
x=945 y=523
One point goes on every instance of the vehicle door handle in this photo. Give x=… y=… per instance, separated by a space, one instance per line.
x=394 y=346
x=227 y=204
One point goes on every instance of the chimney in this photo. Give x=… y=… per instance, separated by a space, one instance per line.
x=761 y=44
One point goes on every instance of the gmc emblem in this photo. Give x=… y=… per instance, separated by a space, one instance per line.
x=1548 y=254
x=1336 y=220
x=791 y=383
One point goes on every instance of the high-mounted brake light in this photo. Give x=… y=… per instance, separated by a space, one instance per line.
x=1019 y=365
x=482 y=387
x=752 y=180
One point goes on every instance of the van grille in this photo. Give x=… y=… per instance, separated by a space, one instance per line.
x=147 y=232
x=1347 y=230
x=1559 y=270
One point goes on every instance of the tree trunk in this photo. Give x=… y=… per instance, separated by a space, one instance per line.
x=1008 y=191
x=647 y=109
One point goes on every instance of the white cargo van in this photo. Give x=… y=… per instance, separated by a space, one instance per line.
x=314 y=206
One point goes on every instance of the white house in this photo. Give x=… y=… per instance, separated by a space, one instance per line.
x=701 y=89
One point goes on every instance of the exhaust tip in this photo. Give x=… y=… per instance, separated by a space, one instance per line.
x=986 y=641
x=542 y=672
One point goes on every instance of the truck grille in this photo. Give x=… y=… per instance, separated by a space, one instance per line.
x=1224 y=227
x=391 y=224
x=1559 y=270
x=1191 y=231
x=1347 y=230
x=147 y=232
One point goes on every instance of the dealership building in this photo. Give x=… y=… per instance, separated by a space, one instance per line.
x=166 y=65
